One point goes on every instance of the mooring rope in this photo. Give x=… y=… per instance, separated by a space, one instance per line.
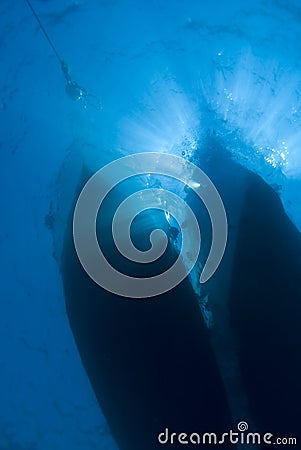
x=44 y=31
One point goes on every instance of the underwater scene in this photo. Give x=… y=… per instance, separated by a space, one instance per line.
x=150 y=227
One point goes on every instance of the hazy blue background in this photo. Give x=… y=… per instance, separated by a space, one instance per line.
x=165 y=72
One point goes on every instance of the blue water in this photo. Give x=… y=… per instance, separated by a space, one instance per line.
x=165 y=73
